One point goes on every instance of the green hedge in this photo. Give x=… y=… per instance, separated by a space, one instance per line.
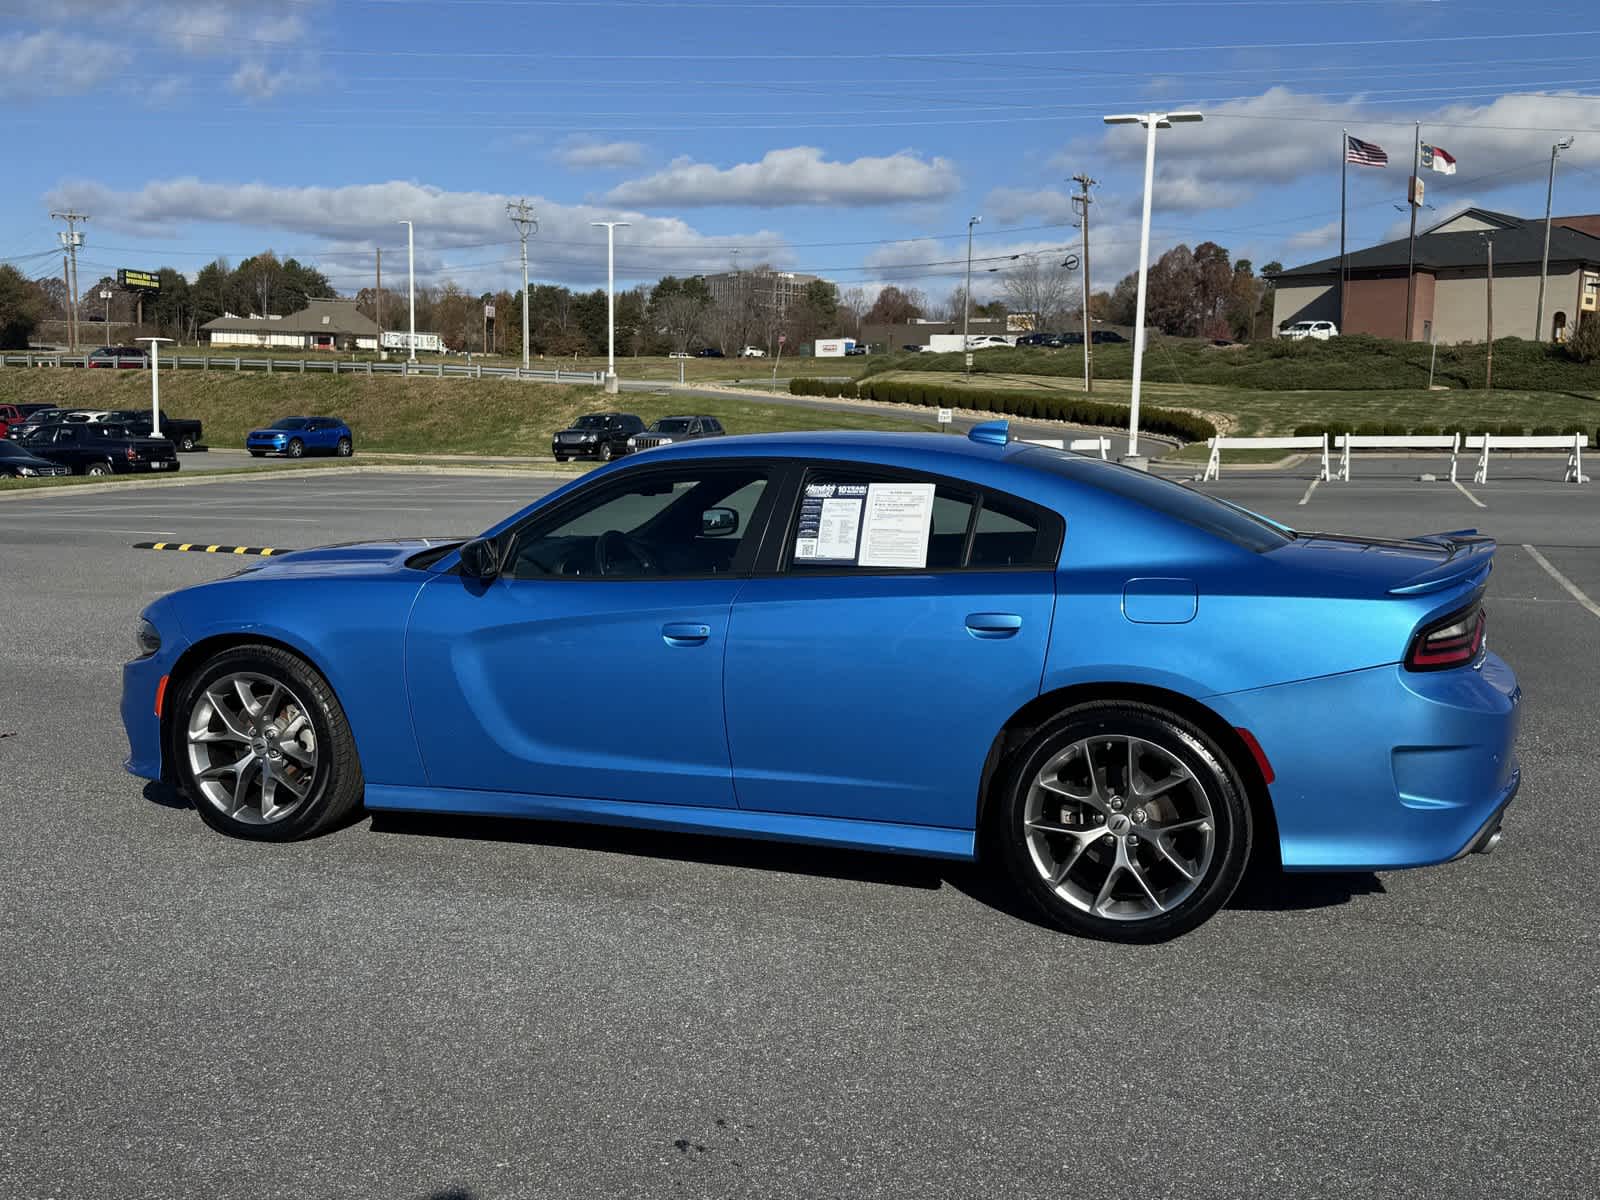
x=1184 y=426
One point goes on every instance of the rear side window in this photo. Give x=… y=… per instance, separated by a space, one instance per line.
x=1173 y=500
x=850 y=521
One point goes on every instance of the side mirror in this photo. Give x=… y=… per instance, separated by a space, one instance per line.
x=719 y=522
x=480 y=559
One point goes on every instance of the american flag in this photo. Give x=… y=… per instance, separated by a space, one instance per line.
x=1364 y=154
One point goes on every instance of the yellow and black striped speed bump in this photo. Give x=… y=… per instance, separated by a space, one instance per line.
x=202 y=548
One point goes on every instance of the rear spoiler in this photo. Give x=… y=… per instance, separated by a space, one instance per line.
x=1470 y=558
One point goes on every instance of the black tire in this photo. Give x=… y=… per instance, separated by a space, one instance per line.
x=297 y=448
x=1214 y=776
x=607 y=453
x=337 y=784
x=257 y=453
x=345 y=448
x=97 y=470
x=561 y=458
x=186 y=443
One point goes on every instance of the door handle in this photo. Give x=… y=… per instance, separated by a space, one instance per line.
x=685 y=633
x=991 y=626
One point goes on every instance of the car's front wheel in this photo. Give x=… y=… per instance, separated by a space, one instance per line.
x=186 y=443
x=606 y=452
x=297 y=448
x=1124 y=822
x=344 y=448
x=262 y=746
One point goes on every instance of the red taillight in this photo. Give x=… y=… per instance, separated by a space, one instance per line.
x=133 y=455
x=1452 y=642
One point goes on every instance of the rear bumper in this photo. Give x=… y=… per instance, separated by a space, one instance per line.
x=1386 y=768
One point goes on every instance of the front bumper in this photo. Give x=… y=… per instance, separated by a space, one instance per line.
x=1386 y=768
x=141 y=688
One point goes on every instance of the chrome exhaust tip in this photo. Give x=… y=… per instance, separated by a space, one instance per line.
x=1489 y=843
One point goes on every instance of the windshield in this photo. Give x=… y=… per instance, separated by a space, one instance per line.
x=593 y=421
x=1217 y=517
x=290 y=423
x=672 y=425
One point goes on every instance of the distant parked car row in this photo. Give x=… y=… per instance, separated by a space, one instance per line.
x=610 y=435
x=18 y=421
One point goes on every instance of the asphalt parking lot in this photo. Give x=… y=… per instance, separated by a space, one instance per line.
x=427 y=1008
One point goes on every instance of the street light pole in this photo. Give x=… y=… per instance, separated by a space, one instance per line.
x=1151 y=122
x=611 y=228
x=155 y=383
x=1544 y=262
x=966 y=301
x=411 y=270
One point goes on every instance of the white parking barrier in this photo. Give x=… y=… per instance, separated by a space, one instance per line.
x=1574 y=443
x=1346 y=442
x=1094 y=445
x=1219 y=444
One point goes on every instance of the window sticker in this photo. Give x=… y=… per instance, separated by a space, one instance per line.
x=830 y=522
x=899 y=518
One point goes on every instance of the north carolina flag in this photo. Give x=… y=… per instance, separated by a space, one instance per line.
x=1437 y=158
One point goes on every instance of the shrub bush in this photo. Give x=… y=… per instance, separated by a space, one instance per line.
x=1509 y=430
x=1546 y=431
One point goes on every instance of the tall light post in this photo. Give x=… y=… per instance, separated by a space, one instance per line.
x=1151 y=122
x=966 y=299
x=611 y=228
x=155 y=382
x=1544 y=262
x=411 y=270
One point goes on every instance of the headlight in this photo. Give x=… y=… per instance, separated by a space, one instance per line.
x=633 y=443
x=26 y=471
x=146 y=639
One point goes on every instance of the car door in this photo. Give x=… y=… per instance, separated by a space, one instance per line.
x=871 y=667
x=592 y=667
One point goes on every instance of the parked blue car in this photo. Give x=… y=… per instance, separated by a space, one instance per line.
x=296 y=437
x=1114 y=687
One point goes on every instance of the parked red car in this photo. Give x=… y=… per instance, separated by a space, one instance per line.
x=126 y=357
x=16 y=414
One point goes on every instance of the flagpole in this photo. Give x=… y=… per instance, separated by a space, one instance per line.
x=1344 y=172
x=1411 y=243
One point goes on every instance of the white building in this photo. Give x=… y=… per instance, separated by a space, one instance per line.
x=327 y=324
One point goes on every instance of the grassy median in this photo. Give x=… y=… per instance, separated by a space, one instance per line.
x=404 y=416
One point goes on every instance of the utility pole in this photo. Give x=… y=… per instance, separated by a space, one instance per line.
x=1083 y=201
x=411 y=264
x=378 y=294
x=522 y=217
x=71 y=239
x=1488 y=367
x=1544 y=262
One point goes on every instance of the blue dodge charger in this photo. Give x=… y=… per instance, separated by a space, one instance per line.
x=1117 y=689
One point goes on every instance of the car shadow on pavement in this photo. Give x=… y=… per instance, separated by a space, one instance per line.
x=1271 y=889
x=166 y=796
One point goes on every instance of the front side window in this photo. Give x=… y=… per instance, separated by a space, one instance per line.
x=691 y=523
x=672 y=425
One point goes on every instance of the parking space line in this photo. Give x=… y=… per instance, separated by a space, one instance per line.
x=1573 y=589
x=1309 y=490
x=1468 y=494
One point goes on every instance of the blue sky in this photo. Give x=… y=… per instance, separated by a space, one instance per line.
x=850 y=138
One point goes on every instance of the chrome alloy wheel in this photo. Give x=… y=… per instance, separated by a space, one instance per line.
x=1119 y=828
x=252 y=748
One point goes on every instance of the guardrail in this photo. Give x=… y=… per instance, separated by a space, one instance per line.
x=1218 y=444
x=1574 y=443
x=1411 y=441
x=1453 y=442
x=1100 y=445
x=330 y=366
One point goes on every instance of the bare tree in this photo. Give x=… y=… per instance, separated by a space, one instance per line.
x=1040 y=287
x=853 y=305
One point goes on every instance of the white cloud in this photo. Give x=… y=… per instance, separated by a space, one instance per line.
x=1011 y=206
x=257 y=82
x=48 y=63
x=1314 y=239
x=462 y=235
x=798 y=175
x=586 y=154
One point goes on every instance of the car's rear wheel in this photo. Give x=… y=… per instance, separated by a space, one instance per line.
x=97 y=469
x=344 y=449
x=263 y=748
x=1124 y=822
x=297 y=448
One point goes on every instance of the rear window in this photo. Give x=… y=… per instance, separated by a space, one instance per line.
x=1195 y=509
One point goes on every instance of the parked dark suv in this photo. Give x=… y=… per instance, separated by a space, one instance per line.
x=596 y=435
x=676 y=429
